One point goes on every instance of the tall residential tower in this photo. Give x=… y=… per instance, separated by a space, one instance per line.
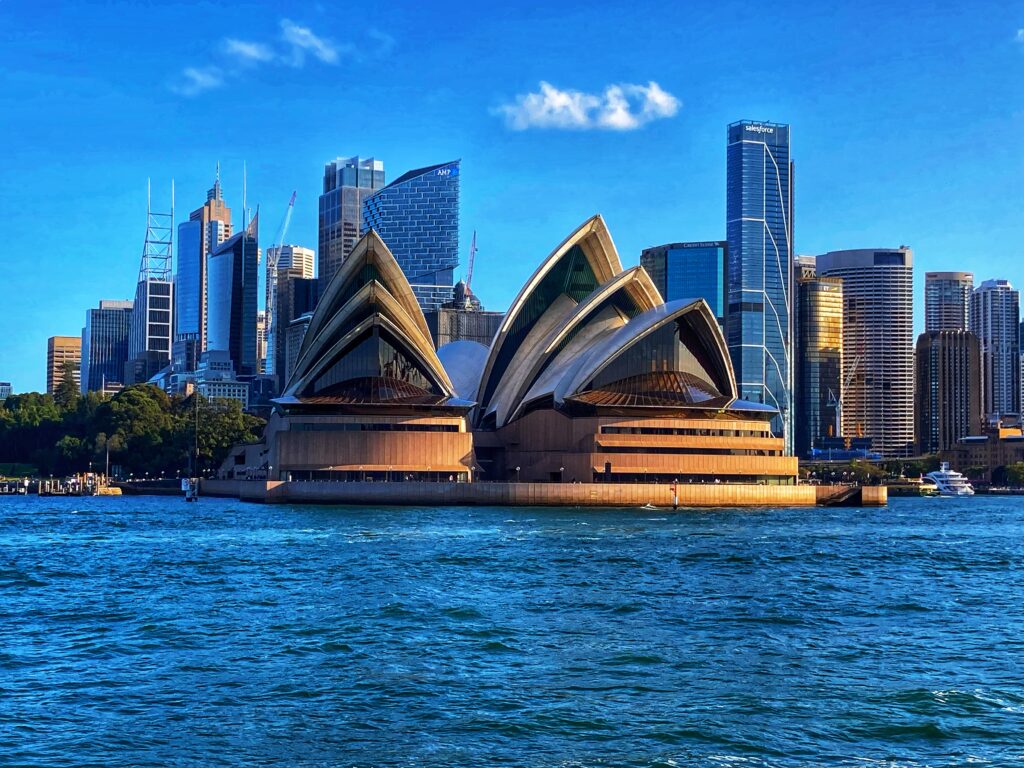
x=878 y=344
x=947 y=300
x=948 y=384
x=995 y=320
x=759 y=229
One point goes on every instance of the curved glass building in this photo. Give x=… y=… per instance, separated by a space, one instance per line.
x=759 y=229
x=232 y=275
x=417 y=216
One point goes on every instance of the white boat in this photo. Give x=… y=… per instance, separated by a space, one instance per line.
x=948 y=482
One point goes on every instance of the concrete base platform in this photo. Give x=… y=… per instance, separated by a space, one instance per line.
x=540 y=494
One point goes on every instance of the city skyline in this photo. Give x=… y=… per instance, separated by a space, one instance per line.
x=520 y=162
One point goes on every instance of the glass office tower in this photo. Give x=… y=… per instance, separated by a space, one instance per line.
x=105 y=345
x=417 y=217
x=347 y=183
x=691 y=270
x=759 y=227
x=232 y=274
x=819 y=360
x=189 y=281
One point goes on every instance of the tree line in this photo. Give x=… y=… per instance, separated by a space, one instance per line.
x=143 y=429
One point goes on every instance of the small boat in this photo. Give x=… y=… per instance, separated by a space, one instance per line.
x=946 y=482
x=649 y=507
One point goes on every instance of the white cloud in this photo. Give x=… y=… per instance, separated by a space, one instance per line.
x=294 y=45
x=248 y=52
x=621 y=107
x=302 y=41
x=195 y=80
x=1020 y=36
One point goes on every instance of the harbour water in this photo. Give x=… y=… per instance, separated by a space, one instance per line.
x=150 y=632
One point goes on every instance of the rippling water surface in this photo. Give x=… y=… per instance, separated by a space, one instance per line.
x=149 y=632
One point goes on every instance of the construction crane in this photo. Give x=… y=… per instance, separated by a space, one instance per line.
x=469 y=268
x=837 y=401
x=273 y=256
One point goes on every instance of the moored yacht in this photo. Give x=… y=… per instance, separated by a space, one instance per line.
x=948 y=482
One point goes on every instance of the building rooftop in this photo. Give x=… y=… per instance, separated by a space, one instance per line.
x=419 y=172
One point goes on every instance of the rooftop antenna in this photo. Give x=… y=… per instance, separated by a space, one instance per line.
x=472 y=259
x=273 y=258
x=158 y=248
x=245 y=208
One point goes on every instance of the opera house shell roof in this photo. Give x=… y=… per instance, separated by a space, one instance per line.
x=368 y=343
x=583 y=331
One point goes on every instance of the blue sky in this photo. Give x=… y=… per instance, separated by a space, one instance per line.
x=906 y=124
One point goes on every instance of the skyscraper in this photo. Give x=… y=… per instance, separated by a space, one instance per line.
x=947 y=300
x=691 y=270
x=417 y=217
x=152 y=328
x=759 y=228
x=995 y=320
x=878 y=339
x=347 y=183
x=261 y=341
x=296 y=296
x=149 y=338
x=232 y=274
x=948 y=389
x=105 y=345
x=292 y=262
x=819 y=359
x=207 y=227
x=63 y=351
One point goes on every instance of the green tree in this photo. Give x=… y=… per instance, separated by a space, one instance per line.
x=215 y=426
x=144 y=430
x=1015 y=474
x=66 y=394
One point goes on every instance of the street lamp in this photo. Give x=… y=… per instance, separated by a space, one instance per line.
x=517 y=474
x=561 y=474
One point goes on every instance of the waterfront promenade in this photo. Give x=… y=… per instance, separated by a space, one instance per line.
x=543 y=494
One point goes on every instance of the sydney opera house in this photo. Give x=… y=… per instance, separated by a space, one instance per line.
x=591 y=378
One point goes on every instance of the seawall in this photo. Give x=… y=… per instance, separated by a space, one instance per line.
x=540 y=494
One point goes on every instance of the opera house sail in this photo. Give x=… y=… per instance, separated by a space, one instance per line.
x=591 y=378
x=368 y=399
